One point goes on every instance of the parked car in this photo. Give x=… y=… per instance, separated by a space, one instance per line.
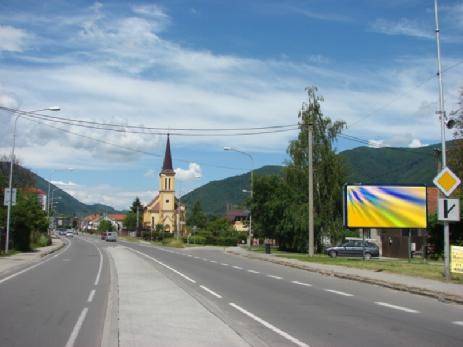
x=62 y=232
x=111 y=236
x=69 y=233
x=354 y=248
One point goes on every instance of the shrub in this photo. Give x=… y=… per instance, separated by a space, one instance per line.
x=198 y=240
x=171 y=242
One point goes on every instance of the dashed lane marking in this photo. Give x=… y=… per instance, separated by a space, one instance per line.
x=253 y=271
x=338 y=292
x=212 y=261
x=237 y=267
x=458 y=323
x=223 y=264
x=275 y=277
x=210 y=291
x=91 y=295
x=76 y=329
x=302 y=283
x=270 y=326
x=395 y=307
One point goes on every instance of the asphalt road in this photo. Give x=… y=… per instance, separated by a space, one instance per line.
x=270 y=304
x=61 y=302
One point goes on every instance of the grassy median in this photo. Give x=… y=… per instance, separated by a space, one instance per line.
x=417 y=267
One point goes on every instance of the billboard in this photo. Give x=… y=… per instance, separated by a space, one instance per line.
x=385 y=206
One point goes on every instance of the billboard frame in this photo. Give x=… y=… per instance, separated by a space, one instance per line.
x=344 y=203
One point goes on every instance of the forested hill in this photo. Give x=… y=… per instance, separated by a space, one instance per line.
x=68 y=205
x=364 y=164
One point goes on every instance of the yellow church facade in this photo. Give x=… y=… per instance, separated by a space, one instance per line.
x=164 y=208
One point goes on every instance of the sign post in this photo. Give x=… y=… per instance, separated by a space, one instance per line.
x=6 y=197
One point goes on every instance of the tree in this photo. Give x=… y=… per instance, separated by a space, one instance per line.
x=197 y=217
x=136 y=204
x=130 y=221
x=105 y=225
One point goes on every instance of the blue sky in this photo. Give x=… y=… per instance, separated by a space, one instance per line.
x=214 y=64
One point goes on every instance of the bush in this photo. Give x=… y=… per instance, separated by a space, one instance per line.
x=171 y=242
x=198 y=240
x=41 y=240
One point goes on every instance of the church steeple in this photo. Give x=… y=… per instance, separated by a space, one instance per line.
x=167 y=165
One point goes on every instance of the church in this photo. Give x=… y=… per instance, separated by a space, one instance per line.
x=164 y=208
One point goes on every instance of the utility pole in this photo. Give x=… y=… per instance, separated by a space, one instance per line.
x=310 y=164
x=441 y=113
x=10 y=185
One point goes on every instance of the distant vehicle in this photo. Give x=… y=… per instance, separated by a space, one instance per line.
x=103 y=236
x=69 y=233
x=111 y=236
x=62 y=232
x=354 y=248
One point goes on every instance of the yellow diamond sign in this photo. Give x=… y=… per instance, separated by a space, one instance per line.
x=446 y=181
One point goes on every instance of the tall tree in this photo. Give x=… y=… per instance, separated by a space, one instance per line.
x=136 y=204
x=197 y=217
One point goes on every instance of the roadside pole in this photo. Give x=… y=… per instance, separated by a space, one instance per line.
x=310 y=150
x=409 y=245
x=441 y=113
x=363 y=243
x=138 y=221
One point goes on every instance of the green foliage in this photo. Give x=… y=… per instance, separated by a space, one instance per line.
x=196 y=216
x=130 y=221
x=105 y=225
x=136 y=204
x=172 y=242
x=40 y=240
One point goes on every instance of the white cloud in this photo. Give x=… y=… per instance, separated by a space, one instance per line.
x=64 y=184
x=151 y=10
x=193 y=172
x=416 y=143
x=376 y=143
x=150 y=173
x=12 y=39
x=404 y=27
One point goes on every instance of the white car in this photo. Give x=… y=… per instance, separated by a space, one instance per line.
x=111 y=236
x=69 y=234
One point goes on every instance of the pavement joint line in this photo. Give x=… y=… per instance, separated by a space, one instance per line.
x=338 y=292
x=91 y=295
x=77 y=327
x=34 y=266
x=302 y=283
x=275 y=277
x=458 y=323
x=400 y=308
x=253 y=271
x=165 y=265
x=210 y=291
x=270 y=326
x=237 y=267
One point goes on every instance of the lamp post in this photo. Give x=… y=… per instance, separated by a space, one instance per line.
x=10 y=182
x=231 y=149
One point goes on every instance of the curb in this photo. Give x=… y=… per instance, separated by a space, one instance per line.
x=57 y=248
x=111 y=324
x=441 y=296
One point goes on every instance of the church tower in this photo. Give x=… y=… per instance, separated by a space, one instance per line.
x=167 y=191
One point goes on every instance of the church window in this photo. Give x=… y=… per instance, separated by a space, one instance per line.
x=167 y=201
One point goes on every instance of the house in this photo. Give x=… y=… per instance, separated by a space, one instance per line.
x=91 y=222
x=239 y=219
x=41 y=196
x=165 y=208
x=117 y=220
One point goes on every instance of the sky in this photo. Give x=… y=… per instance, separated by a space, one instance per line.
x=214 y=64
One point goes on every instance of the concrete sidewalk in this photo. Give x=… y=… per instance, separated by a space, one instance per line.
x=154 y=311
x=422 y=286
x=11 y=263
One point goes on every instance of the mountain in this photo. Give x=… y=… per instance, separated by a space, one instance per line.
x=387 y=165
x=68 y=205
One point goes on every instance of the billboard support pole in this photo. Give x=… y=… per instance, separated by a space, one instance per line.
x=409 y=245
x=363 y=243
x=441 y=113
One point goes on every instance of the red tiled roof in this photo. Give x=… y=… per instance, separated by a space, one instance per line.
x=117 y=216
x=35 y=191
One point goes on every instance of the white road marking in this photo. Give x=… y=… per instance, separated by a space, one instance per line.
x=275 y=277
x=401 y=308
x=458 y=323
x=90 y=297
x=189 y=255
x=165 y=265
x=338 y=292
x=302 y=283
x=212 y=261
x=237 y=267
x=270 y=326
x=223 y=264
x=211 y=292
x=77 y=326
x=254 y=271
x=196 y=257
x=34 y=266
x=100 y=267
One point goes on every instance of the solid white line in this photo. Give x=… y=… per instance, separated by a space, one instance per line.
x=254 y=271
x=401 y=308
x=166 y=266
x=35 y=265
x=270 y=326
x=275 y=277
x=90 y=297
x=77 y=326
x=223 y=264
x=302 y=283
x=237 y=267
x=338 y=292
x=458 y=323
x=100 y=267
x=211 y=292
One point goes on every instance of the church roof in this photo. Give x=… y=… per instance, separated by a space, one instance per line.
x=167 y=165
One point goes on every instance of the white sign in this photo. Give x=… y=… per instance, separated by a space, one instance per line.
x=446 y=181
x=449 y=210
x=6 y=197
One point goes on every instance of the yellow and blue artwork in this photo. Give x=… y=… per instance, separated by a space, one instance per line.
x=370 y=206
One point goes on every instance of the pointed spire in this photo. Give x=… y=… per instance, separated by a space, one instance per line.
x=167 y=165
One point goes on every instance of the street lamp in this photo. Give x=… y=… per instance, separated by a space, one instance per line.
x=231 y=149
x=10 y=185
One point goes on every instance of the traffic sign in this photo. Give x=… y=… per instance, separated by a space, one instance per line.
x=449 y=210
x=446 y=181
x=6 y=197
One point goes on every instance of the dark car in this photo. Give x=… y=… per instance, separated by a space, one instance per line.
x=354 y=248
